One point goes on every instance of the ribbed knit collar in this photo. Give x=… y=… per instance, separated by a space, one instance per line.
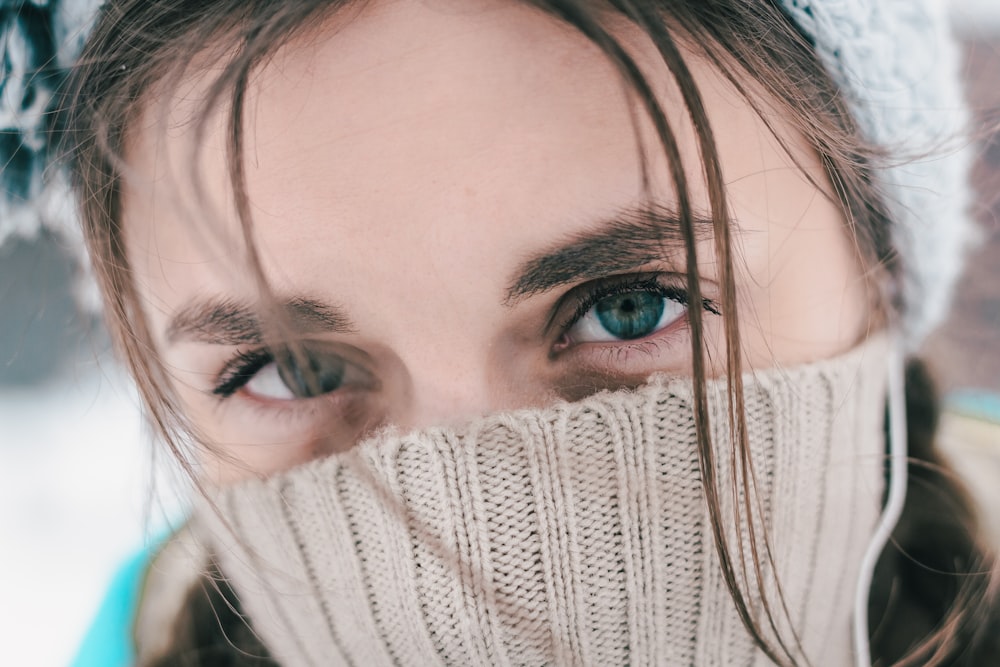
x=576 y=534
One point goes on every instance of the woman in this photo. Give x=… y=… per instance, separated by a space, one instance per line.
x=535 y=333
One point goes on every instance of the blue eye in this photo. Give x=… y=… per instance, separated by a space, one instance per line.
x=288 y=377
x=629 y=315
x=311 y=375
x=289 y=381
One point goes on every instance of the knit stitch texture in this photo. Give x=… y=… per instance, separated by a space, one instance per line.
x=571 y=535
x=39 y=42
x=899 y=70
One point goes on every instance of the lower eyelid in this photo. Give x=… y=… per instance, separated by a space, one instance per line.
x=295 y=431
x=292 y=409
x=611 y=368
x=673 y=335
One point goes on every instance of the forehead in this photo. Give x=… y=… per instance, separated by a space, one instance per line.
x=418 y=118
x=427 y=139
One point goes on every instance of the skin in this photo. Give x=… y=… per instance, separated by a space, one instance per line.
x=405 y=164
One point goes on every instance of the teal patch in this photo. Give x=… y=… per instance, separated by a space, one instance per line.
x=976 y=403
x=108 y=642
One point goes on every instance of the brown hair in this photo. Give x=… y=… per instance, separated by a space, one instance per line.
x=141 y=44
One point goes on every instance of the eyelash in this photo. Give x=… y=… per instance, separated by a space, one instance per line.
x=239 y=370
x=609 y=287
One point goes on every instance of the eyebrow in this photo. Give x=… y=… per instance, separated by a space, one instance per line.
x=226 y=321
x=632 y=238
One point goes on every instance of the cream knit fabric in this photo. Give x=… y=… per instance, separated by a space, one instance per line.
x=571 y=535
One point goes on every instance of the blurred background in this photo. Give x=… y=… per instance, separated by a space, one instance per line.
x=81 y=486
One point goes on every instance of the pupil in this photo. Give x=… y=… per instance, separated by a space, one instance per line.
x=320 y=376
x=632 y=315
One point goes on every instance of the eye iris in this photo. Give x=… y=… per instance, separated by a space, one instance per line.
x=631 y=315
x=314 y=380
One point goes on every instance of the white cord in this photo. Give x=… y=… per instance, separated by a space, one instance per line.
x=893 y=506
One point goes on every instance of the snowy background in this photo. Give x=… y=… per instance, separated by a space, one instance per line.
x=80 y=487
x=74 y=502
x=975 y=17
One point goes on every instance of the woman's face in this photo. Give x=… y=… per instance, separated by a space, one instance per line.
x=449 y=202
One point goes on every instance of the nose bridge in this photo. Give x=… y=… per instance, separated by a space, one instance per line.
x=454 y=381
x=447 y=395
x=457 y=363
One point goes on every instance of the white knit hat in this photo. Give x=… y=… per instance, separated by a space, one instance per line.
x=40 y=40
x=893 y=59
x=898 y=67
